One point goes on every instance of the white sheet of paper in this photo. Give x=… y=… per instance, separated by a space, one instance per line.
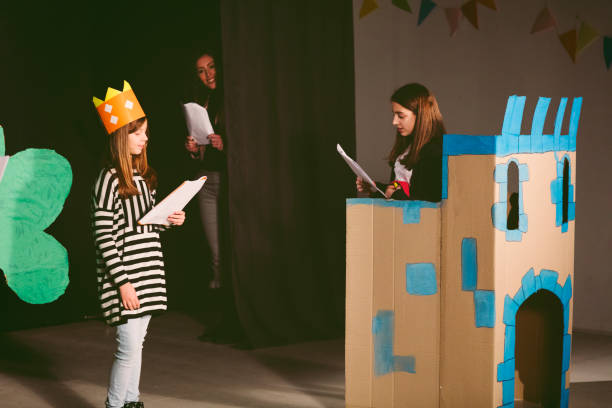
x=357 y=169
x=3 y=163
x=198 y=122
x=175 y=201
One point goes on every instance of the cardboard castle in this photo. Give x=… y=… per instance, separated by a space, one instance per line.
x=467 y=303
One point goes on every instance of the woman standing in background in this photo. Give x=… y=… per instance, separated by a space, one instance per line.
x=223 y=325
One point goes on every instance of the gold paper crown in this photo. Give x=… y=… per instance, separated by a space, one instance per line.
x=118 y=108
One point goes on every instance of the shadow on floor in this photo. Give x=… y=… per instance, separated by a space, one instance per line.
x=29 y=363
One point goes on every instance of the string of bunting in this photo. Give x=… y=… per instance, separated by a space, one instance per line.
x=574 y=41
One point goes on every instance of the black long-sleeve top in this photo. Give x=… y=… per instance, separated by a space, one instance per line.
x=426 y=180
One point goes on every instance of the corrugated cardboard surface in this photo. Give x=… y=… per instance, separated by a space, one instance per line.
x=376 y=280
x=359 y=269
x=544 y=246
x=467 y=368
x=456 y=362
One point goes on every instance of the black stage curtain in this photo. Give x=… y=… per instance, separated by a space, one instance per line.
x=54 y=58
x=289 y=87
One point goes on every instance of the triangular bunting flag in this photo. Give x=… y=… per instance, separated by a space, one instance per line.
x=568 y=39
x=607 y=45
x=403 y=4
x=470 y=11
x=586 y=35
x=544 y=21
x=453 y=15
x=367 y=7
x=488 y=3
x=427 y=7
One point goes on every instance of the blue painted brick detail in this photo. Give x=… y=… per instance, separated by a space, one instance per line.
x=537 y=124
x=384 y=360
x=571 y=211
x=522 y=227
x=528 y=283
x=506 y=144
x=514 y=115
x=566 y=310
x=514 y=235
x=508 y=391
x=523 y=172
x=510 y=309
x=558 y=290
x=411 y=209
x=505 y=370
x=519 y=296
x=567 y=348
x=524 y=143
x=444 y=175
x=508 y=405
x=564 y=145
x=565 y=397
x=567 y=291
x=549 y=279
x=383 y=328
x=538 y=282
x=548 y=143
x=509 y=342
x=575 y=117
x=558 y=215
x=559 y=119
x=498 y=214
x=484 y=308
x=421 y=279
x=405 y=364
x=469 y=264
x=556 y=192
x=457 y=145
x=501 y=173
x=564 y=227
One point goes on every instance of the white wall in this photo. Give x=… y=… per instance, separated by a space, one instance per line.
x=472 y=74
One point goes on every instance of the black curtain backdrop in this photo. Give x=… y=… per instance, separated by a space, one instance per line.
x=289 y=99
x=54 y=58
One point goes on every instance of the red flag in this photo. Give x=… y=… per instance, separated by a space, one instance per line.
x=453 y=15
x=544 y=21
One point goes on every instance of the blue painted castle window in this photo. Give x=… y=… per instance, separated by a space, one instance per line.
x=508 y=213
x=565 y=188
x=512 y=213
x=562 y=194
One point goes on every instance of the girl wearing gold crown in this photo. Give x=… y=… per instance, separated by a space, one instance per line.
x=130 y=266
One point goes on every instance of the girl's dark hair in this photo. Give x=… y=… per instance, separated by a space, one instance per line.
x=211 y=98
x=428 y=125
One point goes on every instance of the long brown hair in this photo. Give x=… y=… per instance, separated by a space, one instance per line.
x=125 y=163
x=428 y=125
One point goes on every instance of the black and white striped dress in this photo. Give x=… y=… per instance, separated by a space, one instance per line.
x=126 y=251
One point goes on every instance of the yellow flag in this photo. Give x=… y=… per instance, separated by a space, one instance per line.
x=367 y=7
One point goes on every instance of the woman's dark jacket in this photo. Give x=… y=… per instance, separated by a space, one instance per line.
x=426 y=180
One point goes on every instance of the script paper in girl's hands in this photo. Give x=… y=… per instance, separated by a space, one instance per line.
x=175 y=201
x=357 y=169
x=198 y=123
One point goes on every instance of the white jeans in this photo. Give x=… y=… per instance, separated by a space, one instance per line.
x=125 y=374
